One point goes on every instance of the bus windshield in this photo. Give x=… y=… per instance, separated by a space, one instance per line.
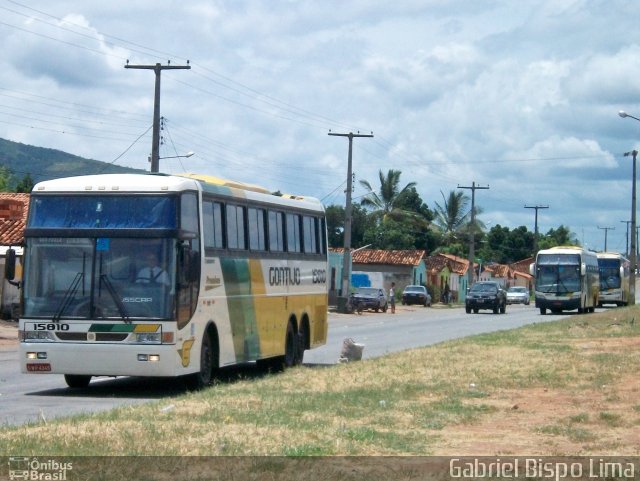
x=609 y=273
x=558 y=273
x=99 y=278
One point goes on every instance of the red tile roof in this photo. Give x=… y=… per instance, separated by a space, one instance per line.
x=13 y=218
x=386 y=257
x=456 y=264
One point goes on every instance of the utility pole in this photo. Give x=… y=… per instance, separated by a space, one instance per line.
x=155 y=142
x=472 y=246
x=606 y=231
x=346 y=260
x=632 y=248
x=535 y=233
x=626 y=252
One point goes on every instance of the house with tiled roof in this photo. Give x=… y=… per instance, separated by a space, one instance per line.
x=508 y=275
x=13 y=219
x=447 y=269
x=404 y=267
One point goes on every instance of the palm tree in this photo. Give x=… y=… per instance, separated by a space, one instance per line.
x=452 y=216
x=385 y=203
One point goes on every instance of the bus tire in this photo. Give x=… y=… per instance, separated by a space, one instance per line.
x=77 y=381
x=208 y=361
x=302 y=341
x=290 y=346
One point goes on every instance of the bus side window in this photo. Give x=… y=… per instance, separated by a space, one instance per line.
x=276 y=231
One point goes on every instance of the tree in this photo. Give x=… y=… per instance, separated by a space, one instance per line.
x=25 y=185
x=452 y=215
x=399 y=219
x=335 y=225
x=5 y=179
x=505 y=246
x=562 y=236
x=387 y=203
x=390 y=235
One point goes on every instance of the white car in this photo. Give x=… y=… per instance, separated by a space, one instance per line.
x=518 y=295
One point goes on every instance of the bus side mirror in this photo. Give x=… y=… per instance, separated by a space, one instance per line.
x=583 y=269
x=621 y=272
x=10 y=264
x=532 y=269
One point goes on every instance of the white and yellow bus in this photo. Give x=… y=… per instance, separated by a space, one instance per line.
x=615 y=276
x=566 y=278
x=164 y=276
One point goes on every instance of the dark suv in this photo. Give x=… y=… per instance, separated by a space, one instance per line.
x=486 y=295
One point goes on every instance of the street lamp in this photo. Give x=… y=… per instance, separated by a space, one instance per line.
x=633 y=260
x=188 y=154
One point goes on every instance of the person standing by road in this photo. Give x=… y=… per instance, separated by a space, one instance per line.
x=392 y=297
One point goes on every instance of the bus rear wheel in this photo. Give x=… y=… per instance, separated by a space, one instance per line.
x=77 y=381
x=290 y=347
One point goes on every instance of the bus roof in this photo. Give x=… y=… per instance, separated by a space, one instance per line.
x=116 y=183
x=567 y=250
x=148 y=182
x=610 y=255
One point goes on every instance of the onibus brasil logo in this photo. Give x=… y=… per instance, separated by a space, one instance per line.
x=34 y=469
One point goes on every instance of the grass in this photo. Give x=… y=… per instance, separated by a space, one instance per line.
x=419 y=402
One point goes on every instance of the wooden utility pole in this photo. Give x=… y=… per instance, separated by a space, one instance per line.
x=535 y=232
x=606 y=231
x=626 y=252
x=155 y=142
x=346 y=260
x=472 y=247
x=632 y=248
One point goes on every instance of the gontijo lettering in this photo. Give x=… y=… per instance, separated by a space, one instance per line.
x=284 y=276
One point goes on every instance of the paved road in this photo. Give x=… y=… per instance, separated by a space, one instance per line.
x=33 y=398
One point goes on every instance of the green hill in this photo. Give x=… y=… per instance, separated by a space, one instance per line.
x=44 y=164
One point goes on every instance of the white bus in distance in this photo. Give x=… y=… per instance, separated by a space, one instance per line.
x=566 y=278
x=615 y=278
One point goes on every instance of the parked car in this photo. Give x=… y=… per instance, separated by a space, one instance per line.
x=486 y=295
x=518 y=295
x=416 y=295
x=371 y=298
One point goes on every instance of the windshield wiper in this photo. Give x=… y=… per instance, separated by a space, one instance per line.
x=116 y=298
x=69 y=296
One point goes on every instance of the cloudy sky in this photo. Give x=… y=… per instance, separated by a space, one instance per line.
x=522 y=96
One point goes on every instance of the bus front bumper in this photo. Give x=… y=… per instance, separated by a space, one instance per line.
x=158 y=360
x=558 y=304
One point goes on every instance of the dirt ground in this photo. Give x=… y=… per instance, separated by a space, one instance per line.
x=537 y=421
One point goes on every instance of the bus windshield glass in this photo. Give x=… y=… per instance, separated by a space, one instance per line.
x=103 y=211
x=99 y=278
x=609 y=273
x=558 y=273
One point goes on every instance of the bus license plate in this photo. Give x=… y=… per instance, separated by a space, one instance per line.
x=39 y=367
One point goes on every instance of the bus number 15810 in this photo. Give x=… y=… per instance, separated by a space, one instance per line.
x=43 y=326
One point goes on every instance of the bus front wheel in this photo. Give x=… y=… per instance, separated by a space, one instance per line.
x=76 y=381
x=204 y=377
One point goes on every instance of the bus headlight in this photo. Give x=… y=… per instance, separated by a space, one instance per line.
x=148 y=337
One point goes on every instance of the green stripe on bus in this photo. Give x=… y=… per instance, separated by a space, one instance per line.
x=242 y=314
x=111 y=328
